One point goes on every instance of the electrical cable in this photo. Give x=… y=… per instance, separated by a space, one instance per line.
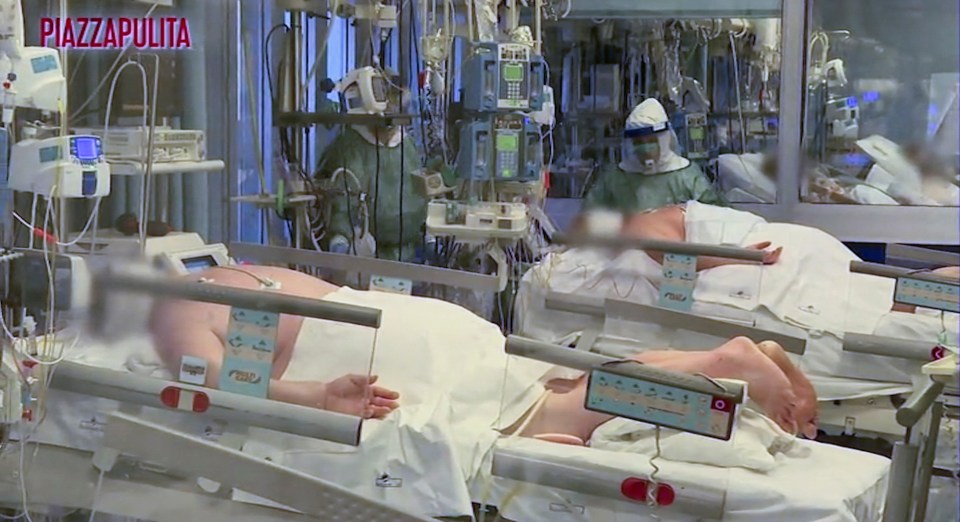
x=736 y=76
x=23 y=483
x=403 y=174
x=96 y=495
x=266 y=58
x=99 y=86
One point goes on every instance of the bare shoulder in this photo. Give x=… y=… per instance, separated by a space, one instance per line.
x=662 y=223
x=171 y=313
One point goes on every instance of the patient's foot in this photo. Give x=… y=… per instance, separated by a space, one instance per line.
x=741 y=359
x=807 y=415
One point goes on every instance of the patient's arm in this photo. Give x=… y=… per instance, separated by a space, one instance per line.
x=351 y=394
x=667 y=224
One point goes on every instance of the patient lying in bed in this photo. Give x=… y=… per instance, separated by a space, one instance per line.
x=182 y=328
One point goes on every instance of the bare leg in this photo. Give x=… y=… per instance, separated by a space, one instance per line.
x=806 y=412
x=739 y=358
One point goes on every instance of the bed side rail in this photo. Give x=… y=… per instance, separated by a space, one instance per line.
x=260 y=300
x=129 y=388
x=696 y=323
x=630 y=311
x=656 y=245
x=702 y=501
x=129 y=435
x=890 y=347
x=893 y=272
x=382 y=267
x=922 y=256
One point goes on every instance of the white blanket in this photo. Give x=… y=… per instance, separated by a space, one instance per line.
x=809 y=293
x=451 y=374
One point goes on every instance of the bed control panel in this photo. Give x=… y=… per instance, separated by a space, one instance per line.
x=928 y=294
x=683 y=402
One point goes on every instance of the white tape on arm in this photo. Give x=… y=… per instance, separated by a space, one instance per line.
x=604 y=223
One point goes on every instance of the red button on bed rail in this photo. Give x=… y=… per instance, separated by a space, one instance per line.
x=636 y=489
x=199 y=401
x=665 y=495
x=170 y=397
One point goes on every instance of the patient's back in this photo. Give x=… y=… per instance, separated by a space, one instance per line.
x=175 y=322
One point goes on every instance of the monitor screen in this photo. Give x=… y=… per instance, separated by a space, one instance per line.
x=508 y=142
x=513 y=73
x=196 y=264
x=86 y=148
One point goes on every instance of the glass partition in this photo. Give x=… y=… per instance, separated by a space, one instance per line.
x=881 y=118
x=715 y=70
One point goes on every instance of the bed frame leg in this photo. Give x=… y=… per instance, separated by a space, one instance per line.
x=903 y=469
x=928 y=458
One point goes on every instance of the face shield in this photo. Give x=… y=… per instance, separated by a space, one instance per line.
x=364 y=91
x=651 y=150
x=371 y=91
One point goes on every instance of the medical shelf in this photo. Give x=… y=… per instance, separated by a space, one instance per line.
x=307 y=119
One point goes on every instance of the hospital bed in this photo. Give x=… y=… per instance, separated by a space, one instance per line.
x=147 y=487
x=130 y=464
x=587 y=475
x=853 y=379
x=872 y=413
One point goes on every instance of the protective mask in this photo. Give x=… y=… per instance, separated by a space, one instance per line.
x=390 y=136
x=648 y=153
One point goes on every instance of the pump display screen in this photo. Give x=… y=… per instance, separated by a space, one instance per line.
x=508 y=142
x=86 y=148
x=513 y=73
x=196 y=264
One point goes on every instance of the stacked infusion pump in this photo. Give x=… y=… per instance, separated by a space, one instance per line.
x=58 y=166
x=498 y=143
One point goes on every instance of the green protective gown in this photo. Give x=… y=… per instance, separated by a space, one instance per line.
x=615 y=189
x=354 y=153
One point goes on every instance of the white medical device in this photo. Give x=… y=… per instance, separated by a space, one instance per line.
x=547 y=115
x=71 y=279
x=11 y=28
x=194 y=260
x=132 y=143
x=890 y=157
x=842 y=115
x=364 y=91
x=30 y=77
x=75 y=163
x=477 y=221
x=835 y=74
x=429 y=184
x=38 y=80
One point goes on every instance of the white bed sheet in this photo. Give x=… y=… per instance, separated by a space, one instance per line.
x=836 y=374
x=830 y=484
x=412 y=445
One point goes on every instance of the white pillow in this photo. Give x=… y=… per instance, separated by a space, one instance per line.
x=755 y=444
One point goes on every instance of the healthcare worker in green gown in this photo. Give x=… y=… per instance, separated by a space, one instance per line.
x=372 y=207
x=651 y=174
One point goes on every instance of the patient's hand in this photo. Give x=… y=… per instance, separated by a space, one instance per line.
x=357 y=395
x=769 y=256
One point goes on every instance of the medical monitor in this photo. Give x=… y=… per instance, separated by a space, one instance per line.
x=194 y=260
